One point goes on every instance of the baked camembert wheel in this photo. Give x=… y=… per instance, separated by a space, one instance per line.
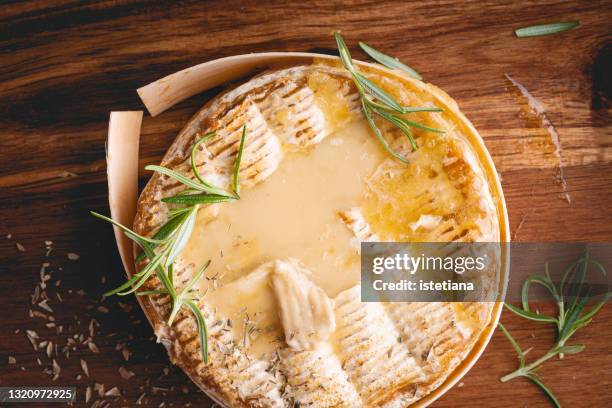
x=281 y=297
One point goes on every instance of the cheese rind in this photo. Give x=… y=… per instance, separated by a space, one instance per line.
x=288 y=116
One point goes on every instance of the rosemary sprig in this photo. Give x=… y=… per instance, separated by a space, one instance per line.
x=376 y=101
x=570 y=318
x=545 y=29
x=173 y=236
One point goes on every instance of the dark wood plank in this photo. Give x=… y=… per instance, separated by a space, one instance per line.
x=66 y=64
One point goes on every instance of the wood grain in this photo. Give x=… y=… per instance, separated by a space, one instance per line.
x=66 y=64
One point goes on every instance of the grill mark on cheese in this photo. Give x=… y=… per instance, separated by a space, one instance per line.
x=431 y=331
x=437 y=347
x=316 y=378
x=367 y=343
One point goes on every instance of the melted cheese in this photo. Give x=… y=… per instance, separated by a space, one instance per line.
x=292 y=214
x=330 y=98
x=416 y=201
x=302 y=210
x=251 y=310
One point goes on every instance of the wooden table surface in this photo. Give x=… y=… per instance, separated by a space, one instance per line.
x=66 y=64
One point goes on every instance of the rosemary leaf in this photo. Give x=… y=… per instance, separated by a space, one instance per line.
x=544 y=388
x=177 y=176
x=171 y=274
x=170 y=226
x=388 y=61
x=599 y=266
x=589 y=315
x=134 y=237
x=400 y=124
x=566 y=275
x=161 y=274
x=517 y=348
x=572 y=316
x=194 y=167
x=193 y=199
x=166 y=230
x=202 y=330
x=149 y=268
x=195 y=278
x=408 y=109
x=345 y=55
x=182 y=236
x=196 y=185
x=545 y=29
x=176 y=307
x=541 y=280
x=421 y=126
x=164 y=278
x=405 y=109
x=151 y=292
x=125 y=285
x=573 y=349
x=379 y=93
x=173 y=212
x=126 y=229
x=238 y=160
x=138 y=279
x=530 y=315
x=577 y=281
x=378 y=134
